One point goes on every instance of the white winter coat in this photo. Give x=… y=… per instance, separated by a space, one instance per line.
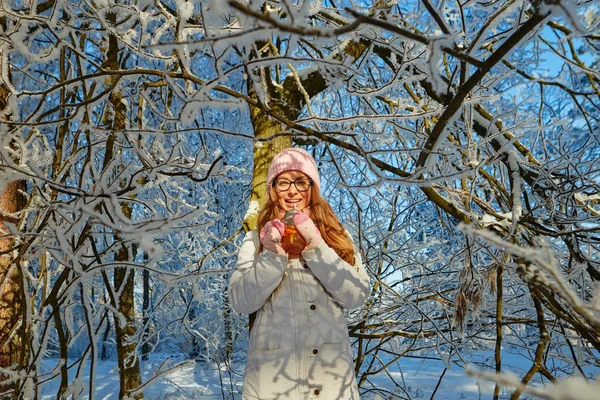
x=299 y=346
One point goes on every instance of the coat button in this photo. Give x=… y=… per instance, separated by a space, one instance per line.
x=313 y=307
x=317 y=392
x=315 y=351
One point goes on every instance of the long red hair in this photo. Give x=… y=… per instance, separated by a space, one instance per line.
x=324 y=218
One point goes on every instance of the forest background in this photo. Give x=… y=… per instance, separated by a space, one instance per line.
x=457 y=141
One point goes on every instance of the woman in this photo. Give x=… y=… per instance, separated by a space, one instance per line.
x=299 y=346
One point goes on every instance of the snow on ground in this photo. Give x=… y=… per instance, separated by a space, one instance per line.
x=198 y=380
x=191 y=380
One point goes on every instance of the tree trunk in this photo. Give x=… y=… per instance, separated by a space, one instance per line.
x=124 y=278
x=13 y=330
x=499 y=305
x=145 y=313
x=195 y=353
x=104 y=352
x=129 y=362
x=124 y=283
x=63 y=348
x=227 y=325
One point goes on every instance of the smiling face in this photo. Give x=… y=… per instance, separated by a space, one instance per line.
x=287 y=199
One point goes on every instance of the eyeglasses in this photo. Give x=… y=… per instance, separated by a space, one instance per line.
x=302 y=184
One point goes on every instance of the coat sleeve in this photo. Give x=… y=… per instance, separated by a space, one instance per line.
x=347 y=284
x=256 y=276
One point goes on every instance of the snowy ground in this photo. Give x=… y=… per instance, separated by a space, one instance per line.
x=196 y=380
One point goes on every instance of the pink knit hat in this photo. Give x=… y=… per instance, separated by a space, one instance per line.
x=293 y=159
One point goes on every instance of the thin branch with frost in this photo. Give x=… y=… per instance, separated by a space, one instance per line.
x=574 y=388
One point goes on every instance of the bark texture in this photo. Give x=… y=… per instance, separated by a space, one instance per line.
x=13 y=330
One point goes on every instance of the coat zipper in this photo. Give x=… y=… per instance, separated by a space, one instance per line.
x=296 y=326
x=300 y=332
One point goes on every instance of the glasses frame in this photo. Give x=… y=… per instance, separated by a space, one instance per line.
x=310 y=183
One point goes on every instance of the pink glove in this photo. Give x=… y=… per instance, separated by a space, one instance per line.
x=308 y=230
x=270 y=236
